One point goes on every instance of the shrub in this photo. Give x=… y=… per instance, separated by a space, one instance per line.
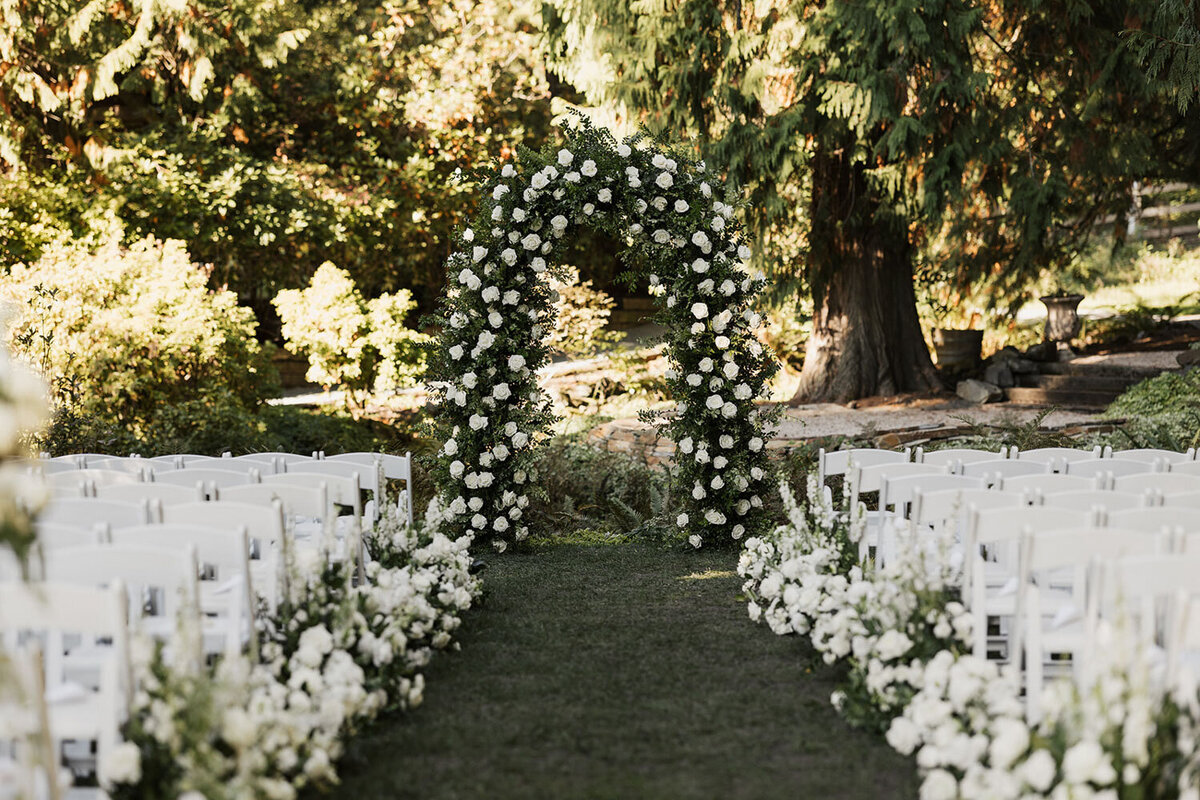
x=1164 y=411
x=123 y=333
x=356 y=345
x=581 y=314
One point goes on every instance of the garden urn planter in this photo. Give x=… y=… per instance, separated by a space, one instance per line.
x=957 y=349
x=1062 y=322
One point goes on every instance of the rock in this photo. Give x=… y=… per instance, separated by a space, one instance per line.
x=1023 y=366
x=1188 y=358
x=1000 y=375
x=974 y=391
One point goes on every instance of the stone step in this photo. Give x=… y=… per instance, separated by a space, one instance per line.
x=1064 y=398
x=1128 y=371
x=1078 y=383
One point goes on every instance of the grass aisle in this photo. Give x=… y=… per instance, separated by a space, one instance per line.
x=621 y=671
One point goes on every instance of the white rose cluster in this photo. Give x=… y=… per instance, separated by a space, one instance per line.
x=961 y=717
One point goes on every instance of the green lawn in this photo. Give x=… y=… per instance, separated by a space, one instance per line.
x=621 y=671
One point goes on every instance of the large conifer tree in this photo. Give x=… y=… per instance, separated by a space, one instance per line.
x=980 y=141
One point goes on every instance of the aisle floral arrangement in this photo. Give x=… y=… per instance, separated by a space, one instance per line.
x=678 y=225
x=904 y=641
x=335 y=654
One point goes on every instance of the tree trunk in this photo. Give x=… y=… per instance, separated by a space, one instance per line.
x=866 y=338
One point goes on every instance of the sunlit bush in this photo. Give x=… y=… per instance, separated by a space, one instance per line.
x=357 y=345
x=121 y=334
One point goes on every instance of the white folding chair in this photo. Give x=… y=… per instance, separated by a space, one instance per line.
x=897 y=495
x=395 y=468
x=264 y=524
x=1107 y=501
x=210 y=480
x=25 y=727
x=53 y=536
x=1181 y=500
x=954 y=457
x=369 y=477
x=1055 y=457
x=343 y=541
x=1137 y=591
x=1160 y=482
x=1042 y=554
x=162 y=580
x=952 y=506
x=166 y=494
x=1151 y=455
x=226 y=588
x=839 y=462
x=1047 y=483
x=49 y=466
x=1105 y=470
x=1156 y=519
x=872 y=479
x=85 y=512
x=990 y=564
x=70 y=620
x=996 y=470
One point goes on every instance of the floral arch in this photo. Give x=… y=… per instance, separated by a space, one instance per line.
x=489 y=410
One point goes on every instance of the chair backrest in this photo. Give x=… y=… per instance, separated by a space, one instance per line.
x=999 y=468
x=1151 y=454
x=1163 y=483
x=52 y=536
x=47 y=466
x=902 y=490
x=395 y=468
x=263 y=522
x=871 y=479
x=953 y=455
x=88 y=511
x=167 y=574
x=298 y=499
x=1156 y=519
x=244 y=466
x=1055 y=455
x=1096 y=499
x=1114 y=467
x=930 y=507
x=208 y=478
x=1051 y=550
x=838 y=462
x=342 y=489
x=107 y=477
x=131 y=464
x=1142 y=585
x=58 y=613
x=1183 y=467
x=69 y=484
x=24 y=723
x=1005 y=524
x=167 y=494
x=367 y=474
x=1181 y=500
x=1047 y=483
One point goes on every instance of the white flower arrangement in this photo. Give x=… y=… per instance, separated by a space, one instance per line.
x=959 y=716
x=664 y=205
x=334 y=655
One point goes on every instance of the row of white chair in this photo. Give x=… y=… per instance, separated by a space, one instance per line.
x=93 y=475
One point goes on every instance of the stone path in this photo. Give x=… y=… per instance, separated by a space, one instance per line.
x=621 y=671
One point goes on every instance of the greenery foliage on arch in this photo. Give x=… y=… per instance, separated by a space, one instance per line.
x=489 y=410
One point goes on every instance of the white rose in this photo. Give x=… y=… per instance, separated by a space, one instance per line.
x=939 y=785
x=490 y=295
x=699 y=310
x=501 y=391
x=531 y=241
x=685 y=445
x=456 y=352
x=478 y=521
x=500 y=525
x=664 y=180
x=559 y=223
x=509 y=256
x=700 y=266
x=565 y=157
x=499 y=192
x=589 y=209
x=476 y=503
x=516 y=362
x=456 y=469
x=478 y=253
x=681 y=206
x=604 y=195
x=588 y=168
x=468 y=235
x=695 y=541
x=450 y=447
x=507 y=171
x=718 y=223
x=511 y=297
x=478 y=422
x=623 y=150
x=495 y=320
